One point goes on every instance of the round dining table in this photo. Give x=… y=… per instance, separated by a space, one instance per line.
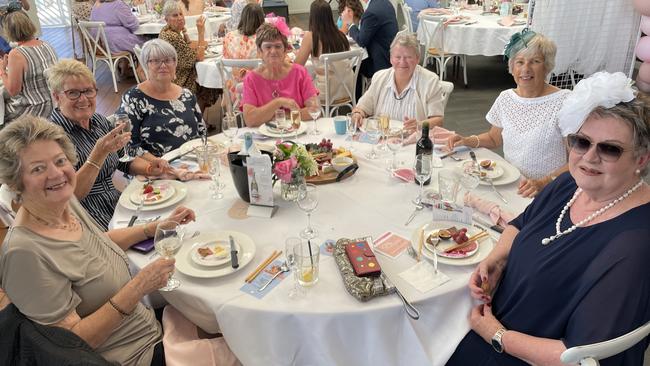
x=150 y=24
x=478 y=34
x=327 y=326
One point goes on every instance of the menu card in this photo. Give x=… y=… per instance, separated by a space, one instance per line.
x=445 y=211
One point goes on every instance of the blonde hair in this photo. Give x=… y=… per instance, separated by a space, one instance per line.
x=18 y=27
x=21 y=133
x=407 y=40
x=67 y=69
x=539 y=44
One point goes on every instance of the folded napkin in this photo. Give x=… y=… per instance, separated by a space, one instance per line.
x=438 y=135
x=182 y=174
x=423 y=277
x=435 y=11
x=497 y=214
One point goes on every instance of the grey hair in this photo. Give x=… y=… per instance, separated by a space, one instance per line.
x=171 y=6
x=539 y=44
x=21 y=133
x=407 y=40
x=156 y=48
x=636 y=114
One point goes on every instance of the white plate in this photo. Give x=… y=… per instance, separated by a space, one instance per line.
x=484 y=247
x=212 y=260
x=494 y=173
x=510 y=173
x=166 y=193
x=189 y=146
x=186 y=265
x=264 y=130
x=393 y=123
x=179 y=195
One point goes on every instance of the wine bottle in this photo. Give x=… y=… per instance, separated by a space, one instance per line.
x=254 y=194
x=424 y=146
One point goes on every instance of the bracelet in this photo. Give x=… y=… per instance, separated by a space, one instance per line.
x=144 y=230
x=123 y=313
x=478 y=141
x=94 y=164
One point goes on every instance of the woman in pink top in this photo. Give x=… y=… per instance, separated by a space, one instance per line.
x=277 y=83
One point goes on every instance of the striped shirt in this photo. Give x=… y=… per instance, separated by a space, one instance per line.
x=100 y=202
x=34 y=97
x=398 y=105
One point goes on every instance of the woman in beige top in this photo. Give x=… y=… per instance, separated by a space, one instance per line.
x=58 y=267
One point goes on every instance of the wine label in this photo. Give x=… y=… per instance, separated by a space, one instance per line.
x=260 y=183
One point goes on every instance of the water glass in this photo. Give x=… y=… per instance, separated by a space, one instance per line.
x=215 y=173
x=229 y=128
x=167 y=241
x=422 y=170
x=350 y=130
x=289 y=245
x=373 y=131
x=448 y=185
x=395 y=141
x=306 y=257
x=123 y=120
x=314 y=112
x=469 y=182
x=281 y=120
x=308 y=201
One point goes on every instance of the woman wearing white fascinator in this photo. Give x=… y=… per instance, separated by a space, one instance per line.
x=572 y=268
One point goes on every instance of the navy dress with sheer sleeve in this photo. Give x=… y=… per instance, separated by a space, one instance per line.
x=588 y=286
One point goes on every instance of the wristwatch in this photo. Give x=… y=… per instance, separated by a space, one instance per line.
x=497 y=344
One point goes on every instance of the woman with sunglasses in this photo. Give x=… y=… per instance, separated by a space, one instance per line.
x=524 y=119
x=572 y=269
x=96 y=142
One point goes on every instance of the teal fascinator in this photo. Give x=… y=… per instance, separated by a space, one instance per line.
x=518 y=41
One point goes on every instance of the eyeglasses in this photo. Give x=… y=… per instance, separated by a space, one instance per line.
x=74 y=94
x=605 y=150
x=157 y=63
x=270 y=46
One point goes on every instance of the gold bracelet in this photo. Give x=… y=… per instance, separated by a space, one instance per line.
x=144 y=230
x=478 y=141
x=92 y=163
x=123 y=313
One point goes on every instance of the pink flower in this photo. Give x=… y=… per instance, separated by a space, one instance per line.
x=283 y=169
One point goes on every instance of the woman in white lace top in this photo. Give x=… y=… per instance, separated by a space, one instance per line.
x=524 y=119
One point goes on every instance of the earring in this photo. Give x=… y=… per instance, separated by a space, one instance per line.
x=638 y=172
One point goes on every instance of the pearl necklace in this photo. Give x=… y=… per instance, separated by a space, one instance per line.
x=74 y=224
x=559 y=232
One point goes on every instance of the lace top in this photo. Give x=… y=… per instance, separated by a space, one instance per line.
x=532 y=140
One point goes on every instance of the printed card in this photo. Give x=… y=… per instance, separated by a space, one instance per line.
x=391 y=244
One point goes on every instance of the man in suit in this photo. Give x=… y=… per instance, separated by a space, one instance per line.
x=375 y=32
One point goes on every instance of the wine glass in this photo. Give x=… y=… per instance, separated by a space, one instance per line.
x=422 y=170
x=167 y=241
x=314 y=112
x=122 y=119
x=229 y=128
x=351 y=130
x=281 y=121
x=469 y=182
x=215 y=174
x=308 y=201
x=289 y=245
x=384 y=125
x=295 y=121
x=373 y=132
x=395 y=141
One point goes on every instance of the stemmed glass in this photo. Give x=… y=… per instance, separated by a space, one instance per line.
x=384 y=126
x=215 y=174
x=395 y=141
x=314 y=112
x=469 y=182
x=289 y=245
x=123 y=120
x=373 y=132
x=167 y=241
x=295 y=121
x=308 y=201
x=229 y=128
x=281 y=121
x=351 y=130
x=422 y=170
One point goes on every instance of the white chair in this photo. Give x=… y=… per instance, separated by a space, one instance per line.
x=406 y=14
x=137 y=50
x=435 y=48
x=447 y=88
x=225 y=67
x=94 y=36
x=589 y=355
x=340 y=73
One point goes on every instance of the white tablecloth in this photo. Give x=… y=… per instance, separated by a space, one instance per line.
x=485 y=37
x=155 y=26
x=328 y=326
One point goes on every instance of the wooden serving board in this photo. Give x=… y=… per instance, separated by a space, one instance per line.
x=329 y=177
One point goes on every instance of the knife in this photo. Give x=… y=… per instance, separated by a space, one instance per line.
x=233 y=253
x=411 y=310
x=489 y=180
x=448 y=154
x=498 y=228
x=179 y=156
x=137 y=212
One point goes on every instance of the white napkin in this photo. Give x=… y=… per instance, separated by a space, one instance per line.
x=423 y=276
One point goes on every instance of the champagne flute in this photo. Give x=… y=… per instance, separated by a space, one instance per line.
x=395 y=141
x=289 y=245
x=314 y=112
x=373 y=131
x=295 y=121
x=229 y=128
x=308 y=201
x=351 y=130
x=422 y=170
x=122 y=119
x=384 y=125
x=167 y=241
x=215 y=174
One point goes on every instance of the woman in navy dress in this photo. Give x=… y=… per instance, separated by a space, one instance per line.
x=572 y=269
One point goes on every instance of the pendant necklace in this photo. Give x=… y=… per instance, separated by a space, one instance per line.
x=72 y=226
x=275 y=93
x=559 y=232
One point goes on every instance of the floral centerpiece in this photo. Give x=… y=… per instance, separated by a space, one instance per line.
x=158 y=6
x=292 y=163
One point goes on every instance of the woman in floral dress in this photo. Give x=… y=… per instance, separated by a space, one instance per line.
x=164 y=115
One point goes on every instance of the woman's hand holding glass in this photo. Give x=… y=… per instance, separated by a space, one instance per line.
x=154 y=275
x=113 y=141
x=123 y=121
x=167 y=241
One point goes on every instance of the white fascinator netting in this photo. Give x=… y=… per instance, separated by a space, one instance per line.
x=602 y=89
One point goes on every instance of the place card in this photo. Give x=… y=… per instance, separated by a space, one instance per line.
x=391 y=244
x=265 y=276
x=445 y=211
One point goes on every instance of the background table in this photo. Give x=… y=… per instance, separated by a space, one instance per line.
x=328 y=326
x=156 y=25
x=485 y=37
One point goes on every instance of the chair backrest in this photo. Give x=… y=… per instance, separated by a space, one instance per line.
x=435 y=32
x=340 y=73
x=94 y=36
x=447 y=88
x=226 y=67
x=138 y=52
x=406 y=13
x=591 y=353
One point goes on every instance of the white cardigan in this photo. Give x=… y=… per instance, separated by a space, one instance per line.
x=428 y=93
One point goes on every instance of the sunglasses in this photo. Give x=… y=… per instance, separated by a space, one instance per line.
x=606 y=151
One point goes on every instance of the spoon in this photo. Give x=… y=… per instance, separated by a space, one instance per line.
x=283 y=268
x=418 y=207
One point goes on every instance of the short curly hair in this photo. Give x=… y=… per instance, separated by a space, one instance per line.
x=68 y=69
x=21 y=133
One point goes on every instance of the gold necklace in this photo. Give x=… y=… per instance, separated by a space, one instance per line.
x=74 y=225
